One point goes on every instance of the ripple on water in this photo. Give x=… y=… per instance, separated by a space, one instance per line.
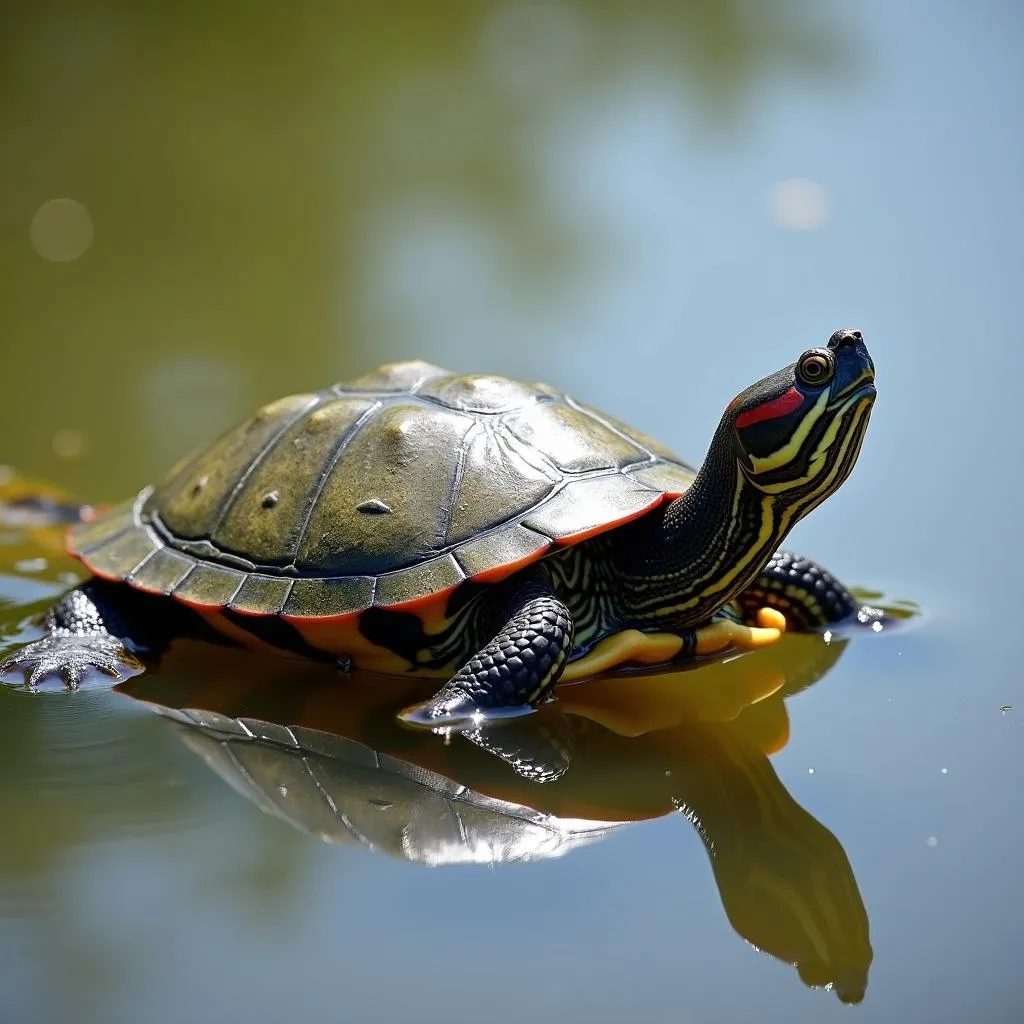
x=91 y=768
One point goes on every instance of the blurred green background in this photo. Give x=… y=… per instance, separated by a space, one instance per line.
x=269 y=198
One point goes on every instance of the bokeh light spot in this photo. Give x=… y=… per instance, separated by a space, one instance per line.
x=31 y=565
x=68 y=443
x=61 y=230
x=799 y=204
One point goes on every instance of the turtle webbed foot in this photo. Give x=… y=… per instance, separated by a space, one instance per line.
x=71 y=659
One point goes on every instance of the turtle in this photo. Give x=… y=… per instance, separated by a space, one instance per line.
x=495 y=535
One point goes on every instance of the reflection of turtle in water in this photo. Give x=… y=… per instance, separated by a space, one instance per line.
x=475 y=529
x=612 y=751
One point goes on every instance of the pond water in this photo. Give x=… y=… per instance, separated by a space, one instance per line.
x=650 y=205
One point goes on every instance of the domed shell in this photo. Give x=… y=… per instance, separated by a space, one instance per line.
x=384 y=491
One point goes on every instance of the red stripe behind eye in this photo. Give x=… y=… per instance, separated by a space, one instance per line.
x=781 y=406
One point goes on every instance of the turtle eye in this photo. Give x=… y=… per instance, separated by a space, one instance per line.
x=816 y=366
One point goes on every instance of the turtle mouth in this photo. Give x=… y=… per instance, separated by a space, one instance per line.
x=861 y=389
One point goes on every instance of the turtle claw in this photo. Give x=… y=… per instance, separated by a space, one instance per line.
x=71 y=659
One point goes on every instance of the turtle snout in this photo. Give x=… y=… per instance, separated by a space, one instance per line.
x=845 y=337
x=849 y=346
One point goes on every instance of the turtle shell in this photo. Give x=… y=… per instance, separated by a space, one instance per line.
x=385 y=491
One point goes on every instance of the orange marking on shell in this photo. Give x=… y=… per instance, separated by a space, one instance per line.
x=216 y=620
x=322 y=620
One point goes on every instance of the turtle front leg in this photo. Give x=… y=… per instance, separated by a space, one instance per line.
x=807 y=596
x=512 y=672
x=88 y=631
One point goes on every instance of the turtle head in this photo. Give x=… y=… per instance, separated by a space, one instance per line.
x=797 y=433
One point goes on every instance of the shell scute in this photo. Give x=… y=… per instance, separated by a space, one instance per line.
x=190 y=502
x=269 y=532
x=162 y=572
x=332 y=597
x=261 y=595
x=479 y=393
x=418 y=582
x=499 y=484
x=85 y=537
x=209 y=585
x=403 y=460
x=585 y=507
x=575 y=442
x=118 y=558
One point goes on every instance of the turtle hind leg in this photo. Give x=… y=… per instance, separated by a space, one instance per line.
x=807 y=597
x=97 y=628
x=511 y=673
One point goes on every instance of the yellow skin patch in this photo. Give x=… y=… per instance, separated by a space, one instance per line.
x=621 y=648
x=632 y=646
x=720 y=636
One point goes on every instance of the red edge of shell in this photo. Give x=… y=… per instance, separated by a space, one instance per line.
x=493 y=575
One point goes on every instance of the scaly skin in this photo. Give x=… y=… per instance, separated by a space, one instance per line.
x=516 y=669
x=76 y=642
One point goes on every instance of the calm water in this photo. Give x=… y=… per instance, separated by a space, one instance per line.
x=648 y=204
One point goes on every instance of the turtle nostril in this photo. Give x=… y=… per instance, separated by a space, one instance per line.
x=844 y=337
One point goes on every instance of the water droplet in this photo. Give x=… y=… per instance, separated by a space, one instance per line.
x=810 y=771
x=945 y=771
x=61 y=230
x=932 y=841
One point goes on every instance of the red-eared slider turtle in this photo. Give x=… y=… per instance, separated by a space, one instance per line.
x=495 y=534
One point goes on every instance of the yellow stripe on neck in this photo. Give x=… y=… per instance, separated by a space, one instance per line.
x=791 y=449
